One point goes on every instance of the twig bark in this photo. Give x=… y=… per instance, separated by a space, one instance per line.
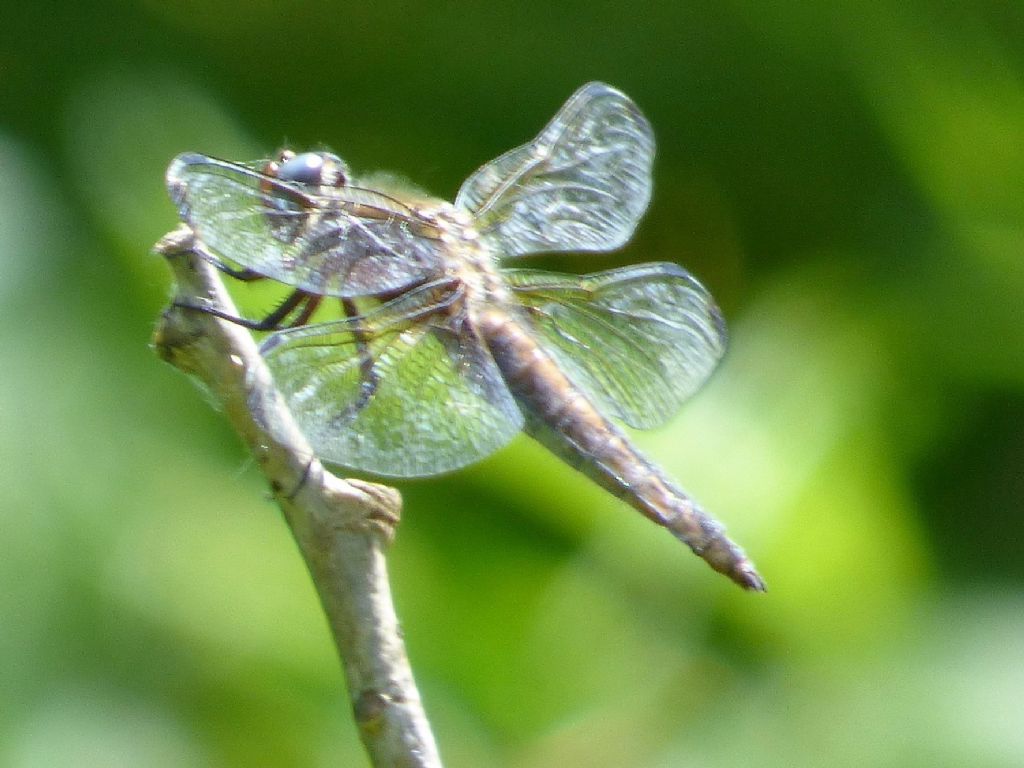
x=342 y=527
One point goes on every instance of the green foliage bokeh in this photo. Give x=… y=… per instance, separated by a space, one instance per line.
x=848 y=181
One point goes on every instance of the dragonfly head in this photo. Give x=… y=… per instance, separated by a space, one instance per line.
x=317 y=169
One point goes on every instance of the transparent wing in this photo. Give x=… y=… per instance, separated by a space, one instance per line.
x=337 y=242
x=638 y=340
x=404 y=391
x=581 y=185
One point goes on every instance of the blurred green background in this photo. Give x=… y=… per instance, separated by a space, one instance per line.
x=848 y=179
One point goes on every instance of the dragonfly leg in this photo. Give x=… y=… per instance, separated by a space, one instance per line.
x=367 y=367
x=312 y=302
x=244 y=274
x=273 y=321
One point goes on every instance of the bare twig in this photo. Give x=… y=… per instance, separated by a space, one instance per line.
x=341 y=527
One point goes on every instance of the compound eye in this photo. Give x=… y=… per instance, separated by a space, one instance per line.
x=320 y=169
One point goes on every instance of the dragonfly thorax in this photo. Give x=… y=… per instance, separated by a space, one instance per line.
x=467 y=256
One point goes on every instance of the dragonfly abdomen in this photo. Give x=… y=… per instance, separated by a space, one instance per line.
x=564 y=420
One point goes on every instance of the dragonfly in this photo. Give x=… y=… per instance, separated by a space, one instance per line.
x=438 y=354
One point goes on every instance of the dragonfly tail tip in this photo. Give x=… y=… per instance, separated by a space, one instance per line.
x=748 y=578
